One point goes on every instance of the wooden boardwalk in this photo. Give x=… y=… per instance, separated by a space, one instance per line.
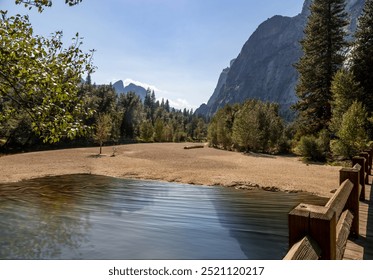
x=362 y=247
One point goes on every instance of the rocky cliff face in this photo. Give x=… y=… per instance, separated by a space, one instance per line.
x=120 y=88
x=264 y=68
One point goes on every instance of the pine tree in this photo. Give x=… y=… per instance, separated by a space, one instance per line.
x=323 y=47
x=88 y=80
x=345 y=90
x=158 y=130
x=362 y=55
x=146 y=131
x=167 y=106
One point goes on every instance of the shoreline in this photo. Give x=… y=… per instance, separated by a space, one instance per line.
x=170 y=162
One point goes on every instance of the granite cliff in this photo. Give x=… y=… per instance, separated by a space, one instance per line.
x=120 y=88
x=264 y=68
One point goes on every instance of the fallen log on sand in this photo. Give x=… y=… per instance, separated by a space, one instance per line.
x=194 y=147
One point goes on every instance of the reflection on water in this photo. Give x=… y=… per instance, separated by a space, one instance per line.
x=97 y=217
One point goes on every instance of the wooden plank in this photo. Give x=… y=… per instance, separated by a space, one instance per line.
x=338 y=201
x=370 y=160
x=306 y=249
x=370 y=152
x=361 y=162
x=323 y=224
x=343 y=231
x=367 y=167
x=352 y=204
x=357 y=249
x=298 y=223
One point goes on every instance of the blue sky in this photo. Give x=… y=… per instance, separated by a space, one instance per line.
x=178 y=47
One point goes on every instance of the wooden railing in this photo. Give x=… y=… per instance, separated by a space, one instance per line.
x=321 y=232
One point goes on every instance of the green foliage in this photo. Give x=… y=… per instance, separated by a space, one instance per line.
x=345 y=91
x=102 y=129
x=132 y=115
x=307 y=148
x=352 y=137
x=323 y=48
x=246 y=130
x=40 y=78
x=257 y=127
x=221 y=126
x=200 y=130
x=312 y=148
x=362 y=58
x=158 y=130
x=146 y=131
x=40 y=4
x=252 y=126
x=42 y=96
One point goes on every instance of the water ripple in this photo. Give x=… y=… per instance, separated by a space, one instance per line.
x=97 y=217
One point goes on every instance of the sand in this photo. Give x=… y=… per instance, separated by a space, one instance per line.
x=172 y=163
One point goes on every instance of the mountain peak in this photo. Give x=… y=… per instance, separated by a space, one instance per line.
x=264 y=67
x=131 y=87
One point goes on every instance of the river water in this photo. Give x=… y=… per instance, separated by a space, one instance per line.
x=98 y=217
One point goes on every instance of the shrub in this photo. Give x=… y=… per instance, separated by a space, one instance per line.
x=308 y=148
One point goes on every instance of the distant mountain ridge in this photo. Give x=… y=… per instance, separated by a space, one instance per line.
x=120 y=88
x=264 y=68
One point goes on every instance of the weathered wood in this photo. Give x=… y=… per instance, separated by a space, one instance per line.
x=321 y=232
x=194 y=147
x=343 y=231
x=360 y=161
x=352 y=203
x=298 y=223
x=323 y=224
x=370 y=152
x=359 y=249
x=366 y=166
x=306 y=249
x=316 y=221
x=338 y=201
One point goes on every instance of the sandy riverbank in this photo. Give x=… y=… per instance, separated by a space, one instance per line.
x=170 y=162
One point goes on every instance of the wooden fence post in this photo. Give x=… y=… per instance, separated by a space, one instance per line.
x=361 y=161
x=370 y=152
x=319 y=222
x=366 y=166
x=352 y=174
x=298 y=223
x=323 y=229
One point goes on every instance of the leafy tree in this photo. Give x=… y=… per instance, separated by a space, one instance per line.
x=362 y=56
x=200 y=130
x=323 y=47
x=106 y=99
x=258 y=127
x=168 y=134
x=345 y=91
x=146 y=131
x=40 y=78
x=158 y=130
x=132 y=116
x=221 y=126
x=246 y=128
x=40 y=4
x=103 y=128
x=352 y=137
